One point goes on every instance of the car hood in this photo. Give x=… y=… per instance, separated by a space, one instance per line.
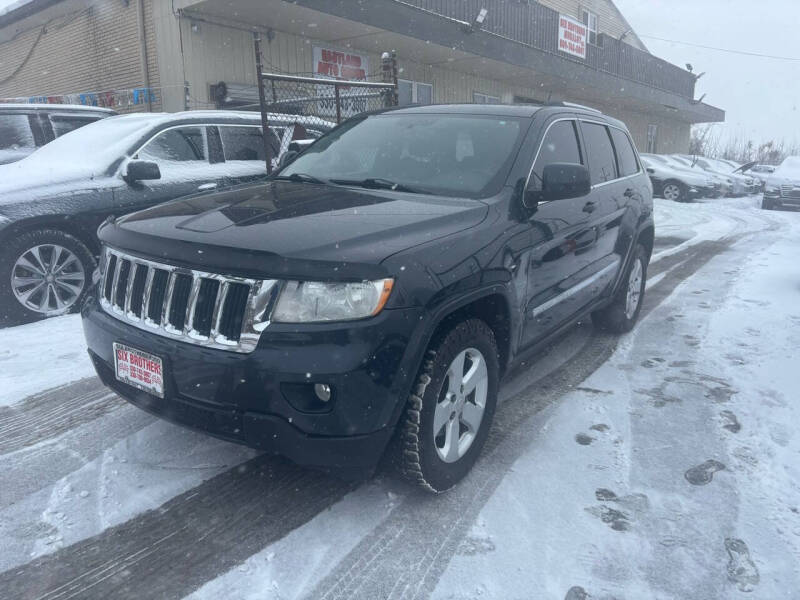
x=20 y=183
x=10 y=155
x=281 y=229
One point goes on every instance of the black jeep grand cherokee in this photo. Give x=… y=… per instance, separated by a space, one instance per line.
x=379 y=286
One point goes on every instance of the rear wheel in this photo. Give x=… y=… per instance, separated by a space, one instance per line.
x=675 y=191
x=620 y=316
x=450 y=409
x=46 y=273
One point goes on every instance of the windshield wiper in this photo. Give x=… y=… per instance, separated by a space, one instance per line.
x=379 y=184
x=300 y=177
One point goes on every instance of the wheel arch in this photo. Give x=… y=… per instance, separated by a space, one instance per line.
x=62 y=223
x=491 y=306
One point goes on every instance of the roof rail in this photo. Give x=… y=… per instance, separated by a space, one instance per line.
x=574 y=105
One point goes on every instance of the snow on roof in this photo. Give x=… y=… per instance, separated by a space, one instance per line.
x=790 y=167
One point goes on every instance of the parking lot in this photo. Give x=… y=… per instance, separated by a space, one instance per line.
x=662 y=463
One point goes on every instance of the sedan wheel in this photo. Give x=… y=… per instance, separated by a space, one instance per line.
x=48 y=279
x=672 y=191
x=43 y=273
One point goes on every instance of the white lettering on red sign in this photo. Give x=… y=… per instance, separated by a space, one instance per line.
x=572 y=36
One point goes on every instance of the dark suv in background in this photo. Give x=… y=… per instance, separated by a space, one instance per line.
x=374 y=291
x=26 y=127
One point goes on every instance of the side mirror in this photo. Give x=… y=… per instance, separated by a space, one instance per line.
x=141 y=170
x=287 y=157
x=559 y=182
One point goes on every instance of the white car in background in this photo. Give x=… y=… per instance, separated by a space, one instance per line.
x=742 y=185
x=725 y=183
x=676 y=183
x=783 y=186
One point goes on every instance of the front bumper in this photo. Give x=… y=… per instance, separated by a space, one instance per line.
x=779 y=199
x=253 y=398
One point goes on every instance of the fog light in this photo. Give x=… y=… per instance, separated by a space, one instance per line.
x=323 y=391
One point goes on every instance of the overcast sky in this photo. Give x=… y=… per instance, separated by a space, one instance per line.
x=761 y=96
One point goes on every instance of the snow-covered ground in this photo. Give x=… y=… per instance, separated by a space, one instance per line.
x=662 y=464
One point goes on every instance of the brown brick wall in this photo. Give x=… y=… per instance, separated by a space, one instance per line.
x=88 y=50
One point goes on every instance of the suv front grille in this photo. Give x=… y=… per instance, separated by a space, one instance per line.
x=790 y=191
x=193 y=306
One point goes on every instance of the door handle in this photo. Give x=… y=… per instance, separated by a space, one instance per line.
x=589 y=207
x=206 y=186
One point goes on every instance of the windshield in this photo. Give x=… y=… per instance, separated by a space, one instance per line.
x=96 y=145
x=451 y=155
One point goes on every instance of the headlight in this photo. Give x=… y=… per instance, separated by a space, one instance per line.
x=310 y=301
x=774 y=189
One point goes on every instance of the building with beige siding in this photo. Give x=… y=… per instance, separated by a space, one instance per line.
x=169 y=54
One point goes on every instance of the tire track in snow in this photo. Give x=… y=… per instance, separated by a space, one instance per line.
x=170 y=551
x=53 y=412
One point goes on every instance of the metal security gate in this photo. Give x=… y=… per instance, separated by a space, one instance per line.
x=317 y=104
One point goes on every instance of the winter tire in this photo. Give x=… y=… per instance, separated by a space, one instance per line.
x=44 y=273
x=674 y=190
x=620 y=316
x=450 y=410
x=767 y=204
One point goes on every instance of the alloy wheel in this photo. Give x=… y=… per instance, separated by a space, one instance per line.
x=460 y=405
x=672 y=192
x=634 y=289
x=48 y=279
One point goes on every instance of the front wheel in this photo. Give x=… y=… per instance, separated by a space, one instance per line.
x=46 y=273
x=767 y=204
x=450 y=410
x=620 y=316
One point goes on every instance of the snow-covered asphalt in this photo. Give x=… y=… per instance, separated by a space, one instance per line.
x=661 y=464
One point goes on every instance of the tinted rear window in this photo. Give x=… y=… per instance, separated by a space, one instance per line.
x=600 y=152
x=626 y=156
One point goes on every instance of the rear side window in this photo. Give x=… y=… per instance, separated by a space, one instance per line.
x=600 y=152
x=626 y=156
x=63 y=124
x=182 y=144
x=242 y=143
x=560 y=145
x=15 y=132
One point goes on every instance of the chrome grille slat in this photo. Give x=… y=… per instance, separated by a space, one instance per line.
x=173 y=276
x=191 y=305
x=219 y=306
x=260 y=295
x=129 y=288
x=117 y=269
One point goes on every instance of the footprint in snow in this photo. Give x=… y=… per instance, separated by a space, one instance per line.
x=576 y=592
x=652 y=362
x=741 y=569
x=601 y=427
x=583 y=439
x=731 y=422
x=617 y=520
x=703 y=474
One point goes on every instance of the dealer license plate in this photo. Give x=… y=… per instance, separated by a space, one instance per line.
x=140 y=369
